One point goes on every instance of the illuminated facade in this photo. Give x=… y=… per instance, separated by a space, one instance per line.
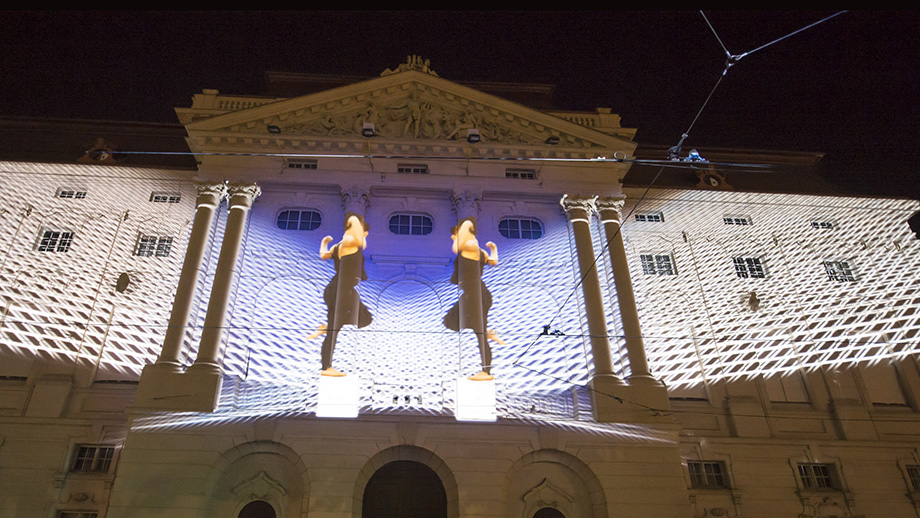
x=162 y=327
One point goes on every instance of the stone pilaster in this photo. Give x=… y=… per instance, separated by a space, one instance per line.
x=355 y=199
x=466 y=203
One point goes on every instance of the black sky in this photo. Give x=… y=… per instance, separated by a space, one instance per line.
x=847 y=87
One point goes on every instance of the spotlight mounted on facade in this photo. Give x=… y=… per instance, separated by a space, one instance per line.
x=472 y=136
x=274 y=130
x=369 y=130
x=552 y=140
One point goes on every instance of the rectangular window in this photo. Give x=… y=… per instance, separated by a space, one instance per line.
x=148 y=246
x=707 y=474
x=71 y=193
x=165 y=197
x=412 y=168
x=828 y=225
x=93 y=458
x=301 y=164
x=748 y=267
x=650 y=217
x=55 y=241
x=913 y=473
x=816 y=476
x=522 y=174
x=737 y=220
x=656 y=264
x=839 y=271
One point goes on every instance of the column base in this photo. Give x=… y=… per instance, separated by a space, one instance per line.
x=163 y=387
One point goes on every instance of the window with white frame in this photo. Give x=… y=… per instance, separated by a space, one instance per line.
x=823 y=224
x=817 y=476
x=411 y=224
x=55 y=241
x=737 y=220
x=412 y=168
x=165 y=197
x=153 y=245
x=521 y=174
x=657 y=264
x=913 y=475
x=520 y=228
x=649 y=217
x=707 y=474
x=748 y=267
x=93 y=458
x=301 y=164
x=65 y=192
x=302 y=219
x=839 y=271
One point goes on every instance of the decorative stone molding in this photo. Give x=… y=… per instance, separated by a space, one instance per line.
x=355 y=199
x=210 y=194
x=413 y=62
x=261 y=487
x=578 y=208
x=610 y=209
x=545 y=494
x=242 y=195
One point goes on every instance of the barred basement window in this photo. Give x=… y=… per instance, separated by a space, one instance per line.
x=70 y=193
x=165 y=197
x=55 y=241
x=148 y=246
x=93 y=458
x=299 y=220
x=748 y=267
x=707 y=474
x=411 y=224
x=656 y=264
x=520 y=228
x=737 y=220
x=301 y=164
x=522 y=174
x=77 y=514
x=650 y=217
x=839 y=271
x=817 y=476
x=412 y=168
x=913 y=473
x=828 y=225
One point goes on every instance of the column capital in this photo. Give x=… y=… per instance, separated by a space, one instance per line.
x=243 y=194
x=210 y=194
x=578 y=207
x=610 y=208
x=355 y=199
x=466 y=203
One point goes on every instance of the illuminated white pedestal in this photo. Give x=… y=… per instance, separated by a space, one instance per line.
x=338 y=396
x=475 y=400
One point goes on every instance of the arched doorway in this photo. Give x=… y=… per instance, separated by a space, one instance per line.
x=548 y=512
x=257 y=509
x=404 y=489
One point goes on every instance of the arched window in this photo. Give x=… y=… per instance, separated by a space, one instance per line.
x=404 y=488
x=299 y=220
x=257 y=509
x=520 y=228
x=411 y=224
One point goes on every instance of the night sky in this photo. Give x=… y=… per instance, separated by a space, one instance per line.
x=847 y=87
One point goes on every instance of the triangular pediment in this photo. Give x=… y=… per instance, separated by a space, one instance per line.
x=405 y=108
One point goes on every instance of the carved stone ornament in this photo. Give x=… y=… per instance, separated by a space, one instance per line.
x=412 y=63
x=243 y=194
x=355 y=199
x=545 y=494
x=611 y=209
x=466 y=203
x=827 y=507
x=211 y=193
x=578 y=207
x=260 y=487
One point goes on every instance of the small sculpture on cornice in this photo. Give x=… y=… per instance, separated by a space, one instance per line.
x=412 y=63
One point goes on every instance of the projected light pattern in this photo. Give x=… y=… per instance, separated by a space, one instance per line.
x=706 y=323
x=63 y=306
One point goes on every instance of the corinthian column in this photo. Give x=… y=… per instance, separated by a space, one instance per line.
x=355 y=199
x=209 y=198
x=610 y=212
x=579 y=212
x=241 y=198
x=466 y=203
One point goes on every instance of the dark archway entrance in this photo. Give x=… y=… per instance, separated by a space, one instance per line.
x=404 y=489
x=548 y=512
x=257 y=509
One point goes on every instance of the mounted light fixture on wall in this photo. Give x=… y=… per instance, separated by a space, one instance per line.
x=274 y=130
x=369 y=130
x=552 y=140
x=472 y=136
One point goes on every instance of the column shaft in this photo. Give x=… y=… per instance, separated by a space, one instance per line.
x=241 y=198
x=209 y=197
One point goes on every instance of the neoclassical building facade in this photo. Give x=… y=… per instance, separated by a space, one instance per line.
x=652 y=350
